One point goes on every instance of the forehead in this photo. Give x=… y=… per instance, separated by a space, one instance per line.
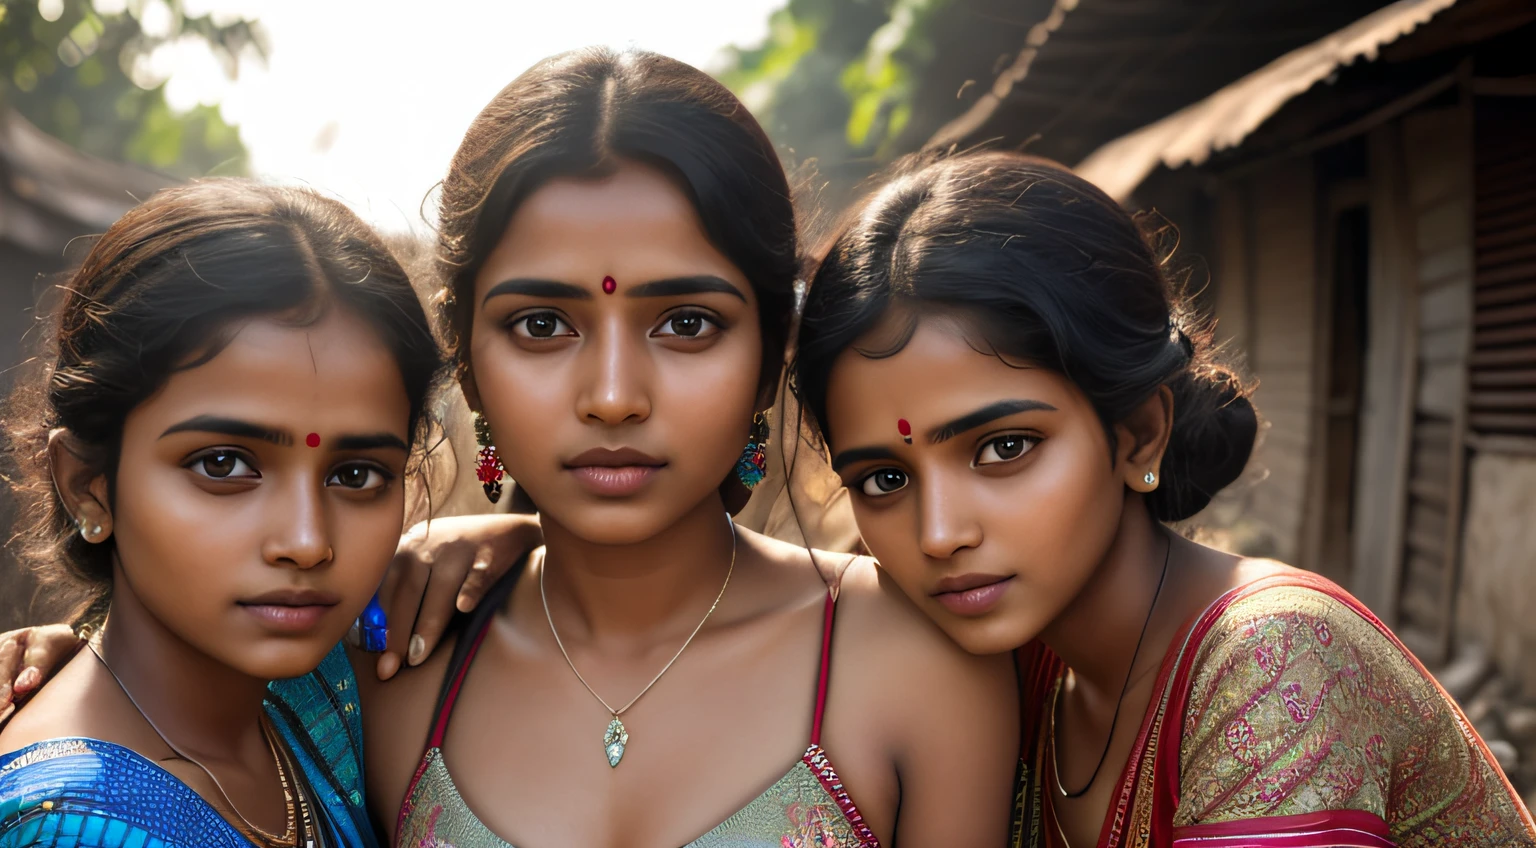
x=334 y=373
x=635 y=222
x=939 y=374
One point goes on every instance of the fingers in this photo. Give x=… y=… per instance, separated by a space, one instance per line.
x=436 y=608
x=12 y=646
x=48 y=648
x=482 y=576
x=401 y=597
x=494 y=559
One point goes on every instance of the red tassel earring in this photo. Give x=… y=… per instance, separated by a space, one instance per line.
x=488 y=467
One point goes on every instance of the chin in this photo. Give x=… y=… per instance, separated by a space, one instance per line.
x=626 y=521
x=279 y=659
x=994 y=633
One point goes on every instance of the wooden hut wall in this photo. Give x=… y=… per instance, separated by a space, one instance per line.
x=1282 y=322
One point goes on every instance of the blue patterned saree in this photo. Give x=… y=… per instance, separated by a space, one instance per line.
x=85 y=793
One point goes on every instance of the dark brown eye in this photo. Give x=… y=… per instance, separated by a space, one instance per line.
x=542 y=325
x=1004 y=449
x=688 y=325
x=884 y=482
x=358 y=476
x=222 y=465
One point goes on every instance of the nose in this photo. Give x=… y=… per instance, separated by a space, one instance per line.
x=617 y=378
x=947 y=524
x=300 y=536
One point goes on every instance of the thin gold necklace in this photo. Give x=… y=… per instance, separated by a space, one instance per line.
x=616 y=737
x=291 y=835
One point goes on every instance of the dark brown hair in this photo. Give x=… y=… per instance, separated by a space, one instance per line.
x=1044 y=268
x=157 y=294
x=580 y=114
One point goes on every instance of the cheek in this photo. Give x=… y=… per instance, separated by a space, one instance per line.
x=704 y=404
x=168 y=532
x=365 y=537
x=1060 y=514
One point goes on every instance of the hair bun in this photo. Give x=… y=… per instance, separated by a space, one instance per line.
x=1214 y=427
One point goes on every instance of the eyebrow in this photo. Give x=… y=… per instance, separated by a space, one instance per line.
x=990 y=412
x=852 y=455
x=247 y=430
x=230 y=427
x=676 y=286
x=370 y=441
x=537 y=288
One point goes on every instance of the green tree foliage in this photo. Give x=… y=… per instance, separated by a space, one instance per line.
x=81 y=71
x=835 y=79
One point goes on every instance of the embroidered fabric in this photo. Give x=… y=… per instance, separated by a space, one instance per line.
x=806 y=808
x=87 y=793
x=1299 y=719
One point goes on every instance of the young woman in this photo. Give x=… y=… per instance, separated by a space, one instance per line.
x=619 y=250
x=216 y=452
x=1019 y=400
x=618 y=246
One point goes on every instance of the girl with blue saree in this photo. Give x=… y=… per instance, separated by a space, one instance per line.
x=216 y=452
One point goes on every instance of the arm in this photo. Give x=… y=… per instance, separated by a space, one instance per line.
x=443 y=566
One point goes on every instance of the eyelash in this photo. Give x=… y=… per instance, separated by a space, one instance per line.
x=519 y=326
x=1029 y=445
x=562 y=328
x=385 y=476
x=707 y=318
x=195 y=465
x=869 y=484
x=239 y=457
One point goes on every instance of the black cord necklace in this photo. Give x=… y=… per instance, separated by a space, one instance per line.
x=1124 y=687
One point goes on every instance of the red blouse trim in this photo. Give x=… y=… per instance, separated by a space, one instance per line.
x=821 y=766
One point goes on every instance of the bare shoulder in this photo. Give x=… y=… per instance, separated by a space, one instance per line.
x=77 y=702
x=911 y=657
x=796 y=563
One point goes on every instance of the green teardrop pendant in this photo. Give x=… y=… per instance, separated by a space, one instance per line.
x=614 y=741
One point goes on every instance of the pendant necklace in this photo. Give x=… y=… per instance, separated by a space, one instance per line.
x=616 y=737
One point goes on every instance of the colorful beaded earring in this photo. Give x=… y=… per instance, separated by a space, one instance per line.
x=754 y=457
x=488 y=467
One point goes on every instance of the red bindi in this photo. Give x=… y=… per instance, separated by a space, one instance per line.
x=904 y=429
x=313 y=440
x=609 y=284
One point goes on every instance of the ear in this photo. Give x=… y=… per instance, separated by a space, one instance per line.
x=1143 y=438
x=81 y=488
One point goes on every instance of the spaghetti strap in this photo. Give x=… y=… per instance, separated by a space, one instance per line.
x=826 y=670
x=478 y=625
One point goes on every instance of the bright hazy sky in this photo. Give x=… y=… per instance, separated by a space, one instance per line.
x=368 y=100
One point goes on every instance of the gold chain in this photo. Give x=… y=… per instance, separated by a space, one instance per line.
x=616 y=713
x=250 y=831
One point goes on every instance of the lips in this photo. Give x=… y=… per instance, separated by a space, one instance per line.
x=972 y=595
x=614 y=473
x=291 y=610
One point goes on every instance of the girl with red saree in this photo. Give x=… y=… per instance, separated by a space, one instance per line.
x=1019 y=400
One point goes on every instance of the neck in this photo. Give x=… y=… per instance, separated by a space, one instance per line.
x=635 y=593
x=1098 y=631
x=202 y=705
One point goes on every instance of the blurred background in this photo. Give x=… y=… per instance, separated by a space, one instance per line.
x=1354 y=182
